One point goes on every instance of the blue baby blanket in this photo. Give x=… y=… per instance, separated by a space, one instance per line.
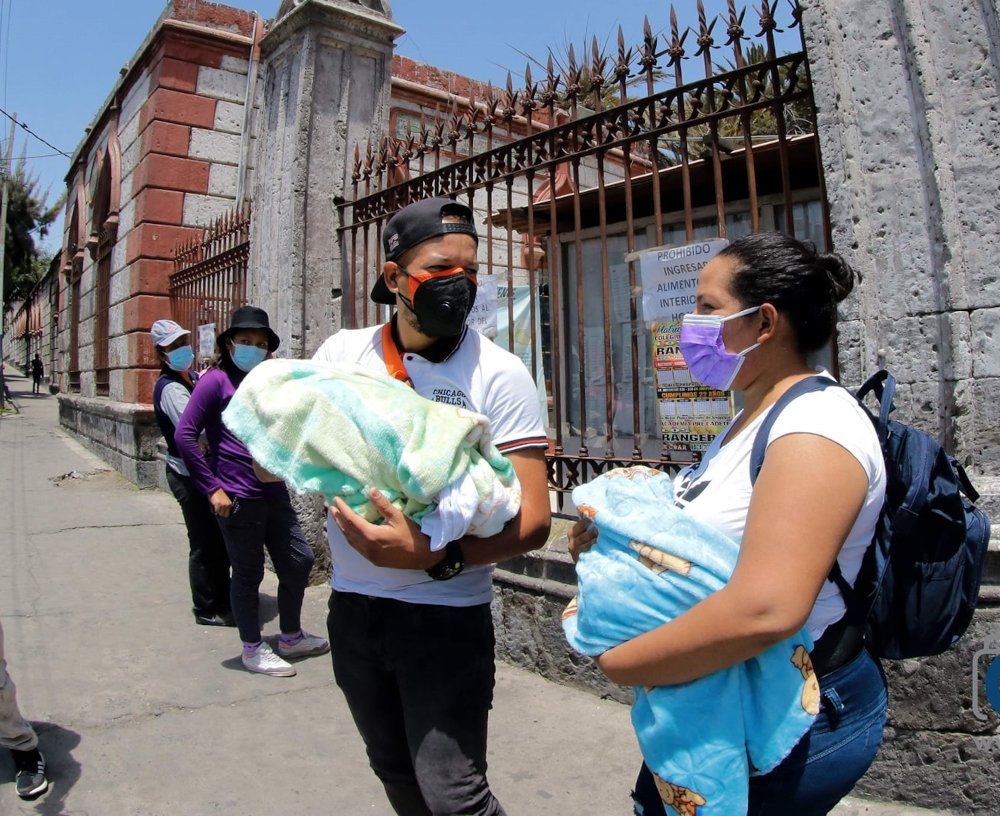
x=340 y=429
x=650 y=563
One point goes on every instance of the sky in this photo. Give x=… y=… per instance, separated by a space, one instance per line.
x=59 y=59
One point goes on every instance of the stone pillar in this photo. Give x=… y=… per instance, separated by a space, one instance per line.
x=907 y=97
x=327 y=74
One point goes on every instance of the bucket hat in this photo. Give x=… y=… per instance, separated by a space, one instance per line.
x=250 y=317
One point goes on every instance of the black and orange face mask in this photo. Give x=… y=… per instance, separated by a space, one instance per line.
x=440 y=301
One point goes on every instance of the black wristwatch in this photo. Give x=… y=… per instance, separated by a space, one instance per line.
x=449 y=566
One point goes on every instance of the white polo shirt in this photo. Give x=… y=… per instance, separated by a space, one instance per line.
x=478 y=375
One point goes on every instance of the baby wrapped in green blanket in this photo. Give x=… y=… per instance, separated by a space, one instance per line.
x=341 y=429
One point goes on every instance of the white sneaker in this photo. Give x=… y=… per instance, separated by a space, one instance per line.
x=265 y=661
x=307 y=647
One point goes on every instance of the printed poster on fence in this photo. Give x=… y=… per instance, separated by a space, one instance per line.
x=206 y=341
x=691 y=415
x=491 y=318
x=483 y=317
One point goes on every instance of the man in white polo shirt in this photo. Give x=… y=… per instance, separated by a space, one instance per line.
x=410 y=629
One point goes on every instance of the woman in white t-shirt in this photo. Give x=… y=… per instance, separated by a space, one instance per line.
x=763 y=304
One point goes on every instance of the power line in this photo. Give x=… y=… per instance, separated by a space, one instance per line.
x=3 y=147
x=30 y=131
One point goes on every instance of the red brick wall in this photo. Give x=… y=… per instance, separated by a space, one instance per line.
x=166 y=173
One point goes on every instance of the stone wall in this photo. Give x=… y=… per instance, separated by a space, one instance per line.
x=907 y=101
x=936 y=752
x=170 y=131
x=530 y=594
x=181 y=153
x=30 y=329
x=122 y=434
x=910 y=157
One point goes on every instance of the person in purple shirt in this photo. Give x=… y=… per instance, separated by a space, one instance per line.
x=252 y=514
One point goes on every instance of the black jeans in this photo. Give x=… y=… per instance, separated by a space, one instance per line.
x=419 y=679
x=253 y=525
x=208 y=561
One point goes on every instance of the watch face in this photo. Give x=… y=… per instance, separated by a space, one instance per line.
x=450 y=566
x=451 y=570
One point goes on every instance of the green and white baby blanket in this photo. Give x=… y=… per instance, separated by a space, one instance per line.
x=341 y=429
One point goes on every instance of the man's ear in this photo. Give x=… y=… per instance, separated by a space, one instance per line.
x=769 y=318
x=390 y=271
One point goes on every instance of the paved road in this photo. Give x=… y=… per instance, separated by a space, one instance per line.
x=143 y=713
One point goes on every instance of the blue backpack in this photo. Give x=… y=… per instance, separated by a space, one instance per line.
x=919 y=579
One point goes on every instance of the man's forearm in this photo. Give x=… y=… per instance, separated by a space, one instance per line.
x=529 y=529
x=517 y=538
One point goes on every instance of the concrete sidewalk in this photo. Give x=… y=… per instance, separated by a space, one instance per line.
x=142 y=712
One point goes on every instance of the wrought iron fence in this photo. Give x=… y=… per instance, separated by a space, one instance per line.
x=210 y=273
x=599 y=175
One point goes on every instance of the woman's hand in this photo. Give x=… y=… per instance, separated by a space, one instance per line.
x=222 y=505
x=581 y=538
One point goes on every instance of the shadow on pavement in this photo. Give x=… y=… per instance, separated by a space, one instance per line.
x=56 y=744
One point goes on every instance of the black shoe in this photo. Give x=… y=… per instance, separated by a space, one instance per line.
x=225 y=619
x=30 y=780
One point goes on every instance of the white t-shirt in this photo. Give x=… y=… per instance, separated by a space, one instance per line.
x=717 y=490
x=477 y=375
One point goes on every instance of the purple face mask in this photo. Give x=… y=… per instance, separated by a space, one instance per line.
x=705 y=352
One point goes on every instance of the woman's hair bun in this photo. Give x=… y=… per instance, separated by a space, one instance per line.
x=840 y=274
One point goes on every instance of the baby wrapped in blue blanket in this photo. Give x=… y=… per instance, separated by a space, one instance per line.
x=340 y=429
x=650 y=563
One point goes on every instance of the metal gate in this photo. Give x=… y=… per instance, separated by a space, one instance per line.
x=571 y=176
x=210 y=274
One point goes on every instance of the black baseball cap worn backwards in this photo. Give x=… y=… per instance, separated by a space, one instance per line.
x=416 y=223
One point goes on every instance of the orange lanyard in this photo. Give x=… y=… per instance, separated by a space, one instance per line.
x=393 y=359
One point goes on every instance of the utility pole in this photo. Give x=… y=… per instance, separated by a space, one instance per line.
x=5 y=170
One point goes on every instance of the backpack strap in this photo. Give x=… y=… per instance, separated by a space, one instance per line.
x=855 y=611
x=883 y=385
x=970 y=492
x=806 y=386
